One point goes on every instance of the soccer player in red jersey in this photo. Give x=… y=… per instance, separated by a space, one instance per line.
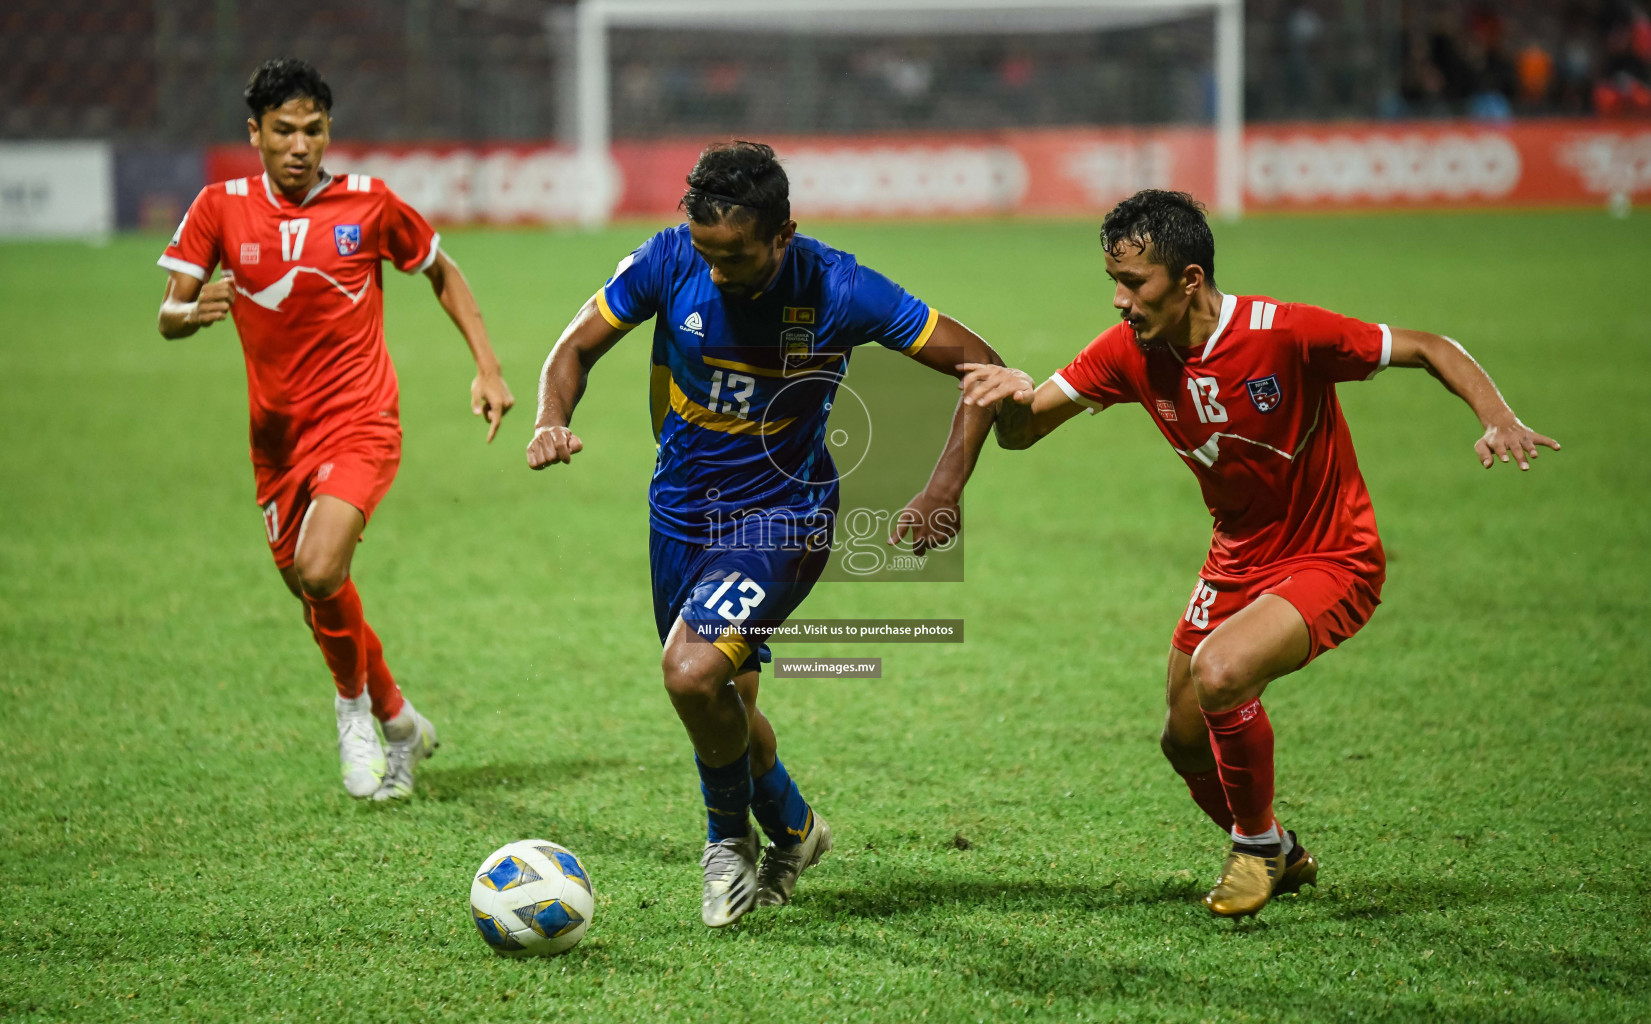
x=1244 y=389
x=301 y=253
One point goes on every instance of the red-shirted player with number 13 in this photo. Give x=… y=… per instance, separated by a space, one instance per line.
x=1244 y=389
x=301 y=253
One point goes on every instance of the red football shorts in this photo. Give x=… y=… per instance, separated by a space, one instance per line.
x=358 y=469
x=1334 y=602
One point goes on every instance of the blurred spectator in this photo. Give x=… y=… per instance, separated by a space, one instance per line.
x=1421 y=83
x=1303 y=28
x=1444 y=49
x=1622 y=88
x=1576 y=62
x=1535 y=68
x=1015 y=72
x=908 y=77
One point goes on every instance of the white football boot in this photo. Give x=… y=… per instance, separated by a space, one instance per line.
x=730 y=880
x=360 y=756
x=783 y=865
x=411 y=739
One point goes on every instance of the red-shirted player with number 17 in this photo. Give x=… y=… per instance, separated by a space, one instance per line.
x=1244 y=389
x=301 y=252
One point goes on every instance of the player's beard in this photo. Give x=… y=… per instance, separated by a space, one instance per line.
x=1147 y=347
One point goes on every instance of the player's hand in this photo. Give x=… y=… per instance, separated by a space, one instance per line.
x=551 y=445
x=490 y=397
x=930 y=520
x=1511 y=441
x=213 y=303
x=985 y=384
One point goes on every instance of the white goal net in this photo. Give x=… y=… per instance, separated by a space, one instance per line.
x=811 y=70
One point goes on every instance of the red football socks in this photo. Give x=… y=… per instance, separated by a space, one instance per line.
x=1243 y=742
x=381 y=685
x=352 y=650
x=1210 y=796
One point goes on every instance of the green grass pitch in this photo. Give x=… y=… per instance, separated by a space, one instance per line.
x=1471 y=769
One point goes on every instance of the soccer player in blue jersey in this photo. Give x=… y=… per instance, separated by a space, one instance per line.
x=754 y=326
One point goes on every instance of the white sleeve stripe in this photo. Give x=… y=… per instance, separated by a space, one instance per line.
x=435 y=247
x=1387 y=351
x=1073 y=393
x=1267 y=316
x=182 y=267
x=1255 y=316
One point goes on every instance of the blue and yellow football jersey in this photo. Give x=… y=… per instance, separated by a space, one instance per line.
x=743 y=387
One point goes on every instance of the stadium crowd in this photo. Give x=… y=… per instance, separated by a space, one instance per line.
x=1492 y=61
x=471 y=70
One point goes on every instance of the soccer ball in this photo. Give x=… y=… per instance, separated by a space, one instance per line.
x=531 y=898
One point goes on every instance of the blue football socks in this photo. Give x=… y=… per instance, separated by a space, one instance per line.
x=727 y=792
x=780 y=809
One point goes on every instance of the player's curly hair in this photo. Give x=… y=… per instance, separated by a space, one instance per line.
x=284 y=78
x=739 y=176
x=1173 y=222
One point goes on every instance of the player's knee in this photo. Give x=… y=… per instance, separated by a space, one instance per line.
x=691 y=677
x=1218 y=678
x=319 y=577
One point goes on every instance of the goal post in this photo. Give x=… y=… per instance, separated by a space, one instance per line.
x=595 y=18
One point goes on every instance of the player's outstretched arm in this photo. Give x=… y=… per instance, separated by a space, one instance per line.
x=189 y=305
x=490 y=396
x=562 y=382
x=933 y=516
x=1026 y=412
x=1505 y=436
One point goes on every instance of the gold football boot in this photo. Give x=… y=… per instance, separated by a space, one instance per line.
x=1298 y=870
x=1246 y=884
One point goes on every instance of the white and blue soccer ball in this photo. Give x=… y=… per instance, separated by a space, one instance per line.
x=532 y=898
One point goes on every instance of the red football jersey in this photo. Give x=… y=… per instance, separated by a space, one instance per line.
x=1253 y=411
x=309 y=302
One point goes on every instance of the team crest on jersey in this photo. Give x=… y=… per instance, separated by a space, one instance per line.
x=1166 y=409
x=347 y=237
x=1265 y=393
x=797 y=347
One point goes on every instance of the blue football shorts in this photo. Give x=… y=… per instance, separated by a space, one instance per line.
x=730 y=596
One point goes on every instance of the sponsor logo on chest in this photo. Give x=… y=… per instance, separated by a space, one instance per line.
x=695 y=324
x=347 y=237
x=1265 y=392
x=249 y=253
x=1166 y=410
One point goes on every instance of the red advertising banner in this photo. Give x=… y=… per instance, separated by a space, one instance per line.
x=1041 y=172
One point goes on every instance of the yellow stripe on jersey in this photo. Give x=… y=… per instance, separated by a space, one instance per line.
x=659 y=396
x=928 y=331
x=607 y=313
x=733 y=645
x=723 y=423
x=763 y=371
